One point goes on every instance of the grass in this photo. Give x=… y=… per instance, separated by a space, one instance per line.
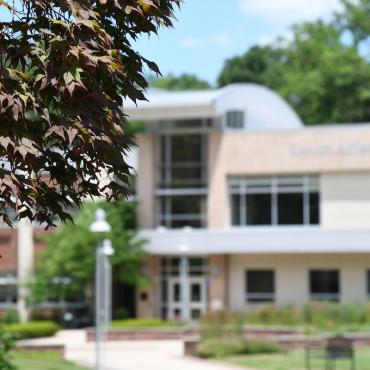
x=295 y=360
x=145 y=323
x=25 y=360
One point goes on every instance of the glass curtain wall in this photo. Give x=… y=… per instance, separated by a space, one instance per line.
x=182 y=180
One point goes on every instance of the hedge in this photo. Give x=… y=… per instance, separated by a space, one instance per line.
x=32 y=329
x=218 y=348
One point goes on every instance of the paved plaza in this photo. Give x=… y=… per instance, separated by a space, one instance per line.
x=129 y=355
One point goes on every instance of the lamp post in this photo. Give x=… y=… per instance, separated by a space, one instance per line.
x=103 y=283
x=184 y=249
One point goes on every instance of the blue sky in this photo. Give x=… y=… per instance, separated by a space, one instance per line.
x=207 y=32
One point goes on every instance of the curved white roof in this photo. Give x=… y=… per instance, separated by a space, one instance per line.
x=264 y=109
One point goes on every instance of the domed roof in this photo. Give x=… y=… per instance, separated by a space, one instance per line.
x=263 y=108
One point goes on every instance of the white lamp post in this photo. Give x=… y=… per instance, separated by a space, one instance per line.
x=103 y=283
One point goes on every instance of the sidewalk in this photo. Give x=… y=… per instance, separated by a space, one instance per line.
x=129 y=355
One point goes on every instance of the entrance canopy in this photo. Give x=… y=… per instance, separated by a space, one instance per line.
x=256 y=241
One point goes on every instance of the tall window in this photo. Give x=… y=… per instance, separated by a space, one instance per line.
x=324 y=285
x=260 y=286
x=183 y=161
x=277 y=200
x=182 y=180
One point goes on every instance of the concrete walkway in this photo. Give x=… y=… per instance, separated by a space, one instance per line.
x=129 y=355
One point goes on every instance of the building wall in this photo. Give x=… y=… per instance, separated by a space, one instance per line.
x=218 y=277
x=8 y=250
x=291 y=276
x=146 y=181
x=316 y=151
x=345 y=200
x=147 y=297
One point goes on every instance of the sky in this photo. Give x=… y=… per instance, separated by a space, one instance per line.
x=207 y=32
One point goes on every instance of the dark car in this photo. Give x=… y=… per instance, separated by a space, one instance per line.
x=77 y=318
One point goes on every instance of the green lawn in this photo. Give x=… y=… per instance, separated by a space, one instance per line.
x=145 y=323
x=42 y=361
x=294 y=360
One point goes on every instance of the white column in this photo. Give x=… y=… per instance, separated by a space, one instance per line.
x=25 y=257
x=185 y=285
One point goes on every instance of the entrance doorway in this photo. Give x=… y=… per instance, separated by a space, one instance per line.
x=197 y=298
x=171 y=301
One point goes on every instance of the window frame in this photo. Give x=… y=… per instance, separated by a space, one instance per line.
x=274 y=185
x=166 y=188
x=325 y=296
x=236 y=124
x=260 y=297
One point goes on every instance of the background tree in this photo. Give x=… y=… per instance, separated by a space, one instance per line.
x=71 y=253
x=178 y=83
x=323 y=76
x=65 y=68
x=256 y=66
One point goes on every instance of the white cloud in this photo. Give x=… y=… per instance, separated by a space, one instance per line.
x=287 y=12
x=220 y=39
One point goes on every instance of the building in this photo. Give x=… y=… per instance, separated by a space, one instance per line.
x=243 y=205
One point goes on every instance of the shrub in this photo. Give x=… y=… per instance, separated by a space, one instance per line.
x=221 y=324
x=6 y=345
x=273 y=315
x=145 y=323
x=11 y=316
x=120 y=313
x=32 y=329
x=218 y=348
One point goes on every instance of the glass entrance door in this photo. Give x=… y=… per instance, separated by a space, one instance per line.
x=197 y=298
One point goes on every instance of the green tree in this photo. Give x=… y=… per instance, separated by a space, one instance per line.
x=259 y=65
x=65 y=68
x=71 y=252
x=324 y=78
x=178 y=83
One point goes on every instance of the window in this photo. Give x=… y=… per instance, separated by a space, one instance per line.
x=182 y=180
x=8 y=289
x=182 y=210
x=276 y=200
x=324 y=285
x=260 y=286
x=235 y=119
x=182 y=161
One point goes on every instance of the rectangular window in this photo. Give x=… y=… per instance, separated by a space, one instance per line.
x=182 y=180
x=8 y=289
x=258 y=208
x=260 y=286
x=324 y=285
x=275 y=200
x=182 y=210
x=235 y=119
x=183 y=161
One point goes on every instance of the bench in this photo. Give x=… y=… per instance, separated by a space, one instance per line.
x=334 y=349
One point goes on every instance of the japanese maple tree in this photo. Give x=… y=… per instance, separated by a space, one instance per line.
x=66 y=68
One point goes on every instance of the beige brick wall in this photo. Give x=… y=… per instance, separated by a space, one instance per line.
x=333 y=150
x=292 y=276
x=146 y=181
x=218 y=278
x=147 y=298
